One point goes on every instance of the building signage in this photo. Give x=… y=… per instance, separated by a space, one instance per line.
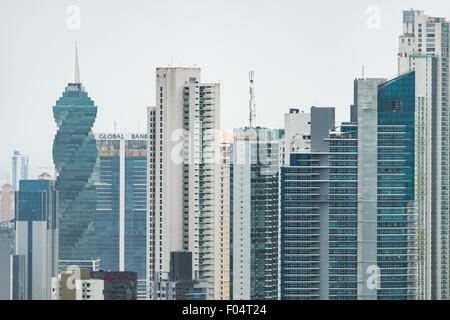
x=72 y=88
x=121 y=136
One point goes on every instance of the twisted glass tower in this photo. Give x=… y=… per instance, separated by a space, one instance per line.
x=74 y=156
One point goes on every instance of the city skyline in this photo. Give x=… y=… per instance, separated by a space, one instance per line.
x=275 y=49
x=208 y=198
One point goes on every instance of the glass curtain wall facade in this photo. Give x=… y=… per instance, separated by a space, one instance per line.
x=304 y=209
x=121 y=221
x=390 y=226
x=397 y=220
x=74 y=156
x=254 y=216
x=107 y=228
x=36 y=236
x=319 y=221
x=300 y=228
x=343 y=214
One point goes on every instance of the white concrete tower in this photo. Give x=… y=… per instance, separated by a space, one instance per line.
x=183 y=195
x=424 y=48
x=297 y=133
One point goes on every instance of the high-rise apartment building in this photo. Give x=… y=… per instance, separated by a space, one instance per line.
x=6 y=203
x=388 y=175
x=424 y=48
x=348 y=221
x=36 y=237
x=6 y=249
x=19 y=169
x=254 y=214
x=387 y=219
x=75 y=156
x=304 y=209
x=223 y=251
x=120 y=220
x=183 y=184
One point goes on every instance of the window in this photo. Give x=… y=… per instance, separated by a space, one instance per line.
x=395 y=106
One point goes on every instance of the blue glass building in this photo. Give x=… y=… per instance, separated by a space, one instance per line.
x=343 y=213
x=74 y=156
x=120 y=221
x=396 y=218
x=348 y=224
x=36 y=237
x=254 y=213
x=305 y=213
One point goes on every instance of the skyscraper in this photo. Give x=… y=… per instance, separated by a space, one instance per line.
x=254 y=207
x=75 y=156
x=305 y=212
x=19 y=169
x=183 y=164
x=388 y=179
x=6 y=246
x=36 y=236
x=224 y=225
x=348 y=221
x=386 y=162
x=120 y=221
x=424 y=48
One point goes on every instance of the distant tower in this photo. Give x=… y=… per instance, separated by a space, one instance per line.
x=6 y=203
x=251 y=102
x=15 y=165
x=19 y=169
x=24 y=168
x=75 y=156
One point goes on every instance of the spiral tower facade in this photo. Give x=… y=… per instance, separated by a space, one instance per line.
x=74 y=157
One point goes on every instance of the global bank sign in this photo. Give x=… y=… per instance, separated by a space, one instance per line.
x=120 y=136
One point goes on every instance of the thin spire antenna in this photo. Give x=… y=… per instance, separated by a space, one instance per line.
x=76 y=67
x=251 y=103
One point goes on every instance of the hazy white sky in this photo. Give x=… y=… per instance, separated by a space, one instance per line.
x=303 y=52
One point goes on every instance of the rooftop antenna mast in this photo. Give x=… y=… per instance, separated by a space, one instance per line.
x=251 y=102
x=76 y=67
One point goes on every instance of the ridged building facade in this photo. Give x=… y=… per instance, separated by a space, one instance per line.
x=75 y=156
